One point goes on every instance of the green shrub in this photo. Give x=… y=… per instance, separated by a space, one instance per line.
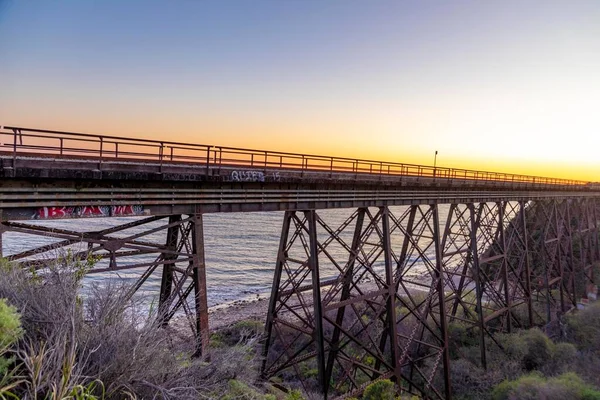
x=241 y=332
x=532 y=348
x=10 y=332
x=380 y=390
x=294 y=395
x=459 y=336
x=535 y=386
x=240 y=390
x=10 y=325
x=565 y=354
x=539 y=349
x=583 y=328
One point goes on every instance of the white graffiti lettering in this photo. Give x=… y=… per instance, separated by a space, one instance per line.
x=247 y=176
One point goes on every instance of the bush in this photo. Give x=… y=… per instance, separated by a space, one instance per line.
x=108 y=345
x=10 y=332
x=565 y=355
x=294 y=395
x=583 y=328
x=532 y=348
x=240 y=390
x=459 y=336
x=10 y=325
x=240 y=332
x=380 y=390
x=535 y=386
x=539 y=349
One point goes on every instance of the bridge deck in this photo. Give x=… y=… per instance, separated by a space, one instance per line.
x=48 y=174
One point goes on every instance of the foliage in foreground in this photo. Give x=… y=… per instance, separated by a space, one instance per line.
x=536 y=386
x=106 y=347
x=529 y=363
x=55 y=345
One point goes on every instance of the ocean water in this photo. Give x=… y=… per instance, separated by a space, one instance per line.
x=240 y=250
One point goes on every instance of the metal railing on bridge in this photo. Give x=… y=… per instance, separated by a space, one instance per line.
x=38 y=142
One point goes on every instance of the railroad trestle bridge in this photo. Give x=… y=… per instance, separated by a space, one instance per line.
x=424 y=247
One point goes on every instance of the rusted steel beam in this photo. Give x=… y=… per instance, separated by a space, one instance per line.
x=443 y=321
x=475 y=224
x=344 y=300
x=391 y=295
x=313 y=265
x=167 y=273
x=272 y=312
x=198 y=266
x=505 y=282
x=528 y=293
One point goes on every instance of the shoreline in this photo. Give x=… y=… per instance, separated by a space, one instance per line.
x=227 y=314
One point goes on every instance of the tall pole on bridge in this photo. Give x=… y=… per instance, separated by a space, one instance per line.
x=434 y=162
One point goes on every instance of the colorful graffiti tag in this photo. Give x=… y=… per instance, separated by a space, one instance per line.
x=87 y=211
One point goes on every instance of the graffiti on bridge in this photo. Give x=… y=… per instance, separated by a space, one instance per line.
x=87 y=211
x=247 y=176
x=254 y=176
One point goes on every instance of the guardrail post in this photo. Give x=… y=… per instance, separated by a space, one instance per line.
x=302 y=170
x=208 y=159
x=101 y=149
x=15 y=133
x=160 y=156
x=331 y=167
x=220 y=158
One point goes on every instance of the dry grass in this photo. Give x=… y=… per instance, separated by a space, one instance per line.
x=106 y=345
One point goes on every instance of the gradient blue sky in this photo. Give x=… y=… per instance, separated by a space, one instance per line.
x=511 y=85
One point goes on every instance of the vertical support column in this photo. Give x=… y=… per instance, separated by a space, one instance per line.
x=199 y=276
x=2 y=229
x=167 y=274
x=313 y=262
x=544 y=251
x=507 y=303
x=348 y=276
x=571 y=256
x=596 y=239
x=391 y=286
x=281 y=257
x=527 y=265
x=561 y=268
x=439 y=271
x=477 y=277
x=593 y=227
x=590 y=233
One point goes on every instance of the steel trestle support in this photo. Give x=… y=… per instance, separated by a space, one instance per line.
x=373 y=296
x=393 y=282
x=130 y=248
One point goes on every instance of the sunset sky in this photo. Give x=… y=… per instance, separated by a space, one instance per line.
x=495 y=85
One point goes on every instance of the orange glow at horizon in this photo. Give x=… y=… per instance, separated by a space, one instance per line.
x=290 y=141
